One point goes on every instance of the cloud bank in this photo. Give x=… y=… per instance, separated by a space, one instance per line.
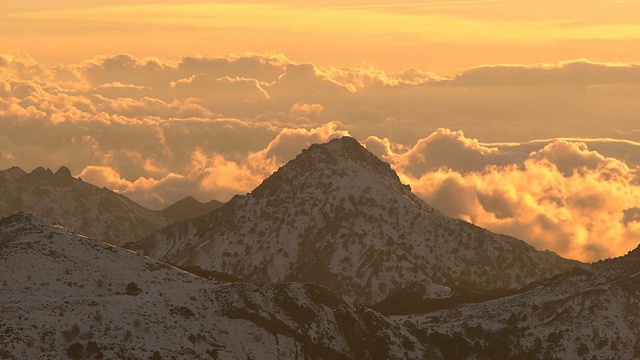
x=563 y=197
x=547 y=153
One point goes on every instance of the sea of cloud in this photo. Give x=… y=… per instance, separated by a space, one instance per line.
x=547 y=153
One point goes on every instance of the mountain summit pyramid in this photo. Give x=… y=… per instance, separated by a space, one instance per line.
x=338 y=216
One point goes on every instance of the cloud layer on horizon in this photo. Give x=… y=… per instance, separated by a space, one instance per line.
x=547 y=168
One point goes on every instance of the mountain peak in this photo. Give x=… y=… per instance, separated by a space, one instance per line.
x=188 y=200
x=187 y=208
x=341 y=160
x=63 y=177
x=39 y=174
x=12 y=174
x=63 y=171
x=343 y=148
x=344 y=143
x=77 y=205
x=338 y=216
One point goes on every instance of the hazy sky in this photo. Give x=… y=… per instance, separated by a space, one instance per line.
x=520 y=116
x=440 y=36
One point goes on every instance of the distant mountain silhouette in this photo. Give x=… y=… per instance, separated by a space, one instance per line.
x=99 y=213
x=188 y=208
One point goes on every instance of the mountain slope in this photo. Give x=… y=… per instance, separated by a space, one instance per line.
x=591 y=312
x=338 y=216
x=67 y=295
x=85 y=208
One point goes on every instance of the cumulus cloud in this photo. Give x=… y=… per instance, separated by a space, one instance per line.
x=557 y=165
x=303 y=111
x=290 y=142
x=446 y=148
x=306 y=83
x=142 y=189
x=570 y=157
x=153 y=72
x=554 y=100
x=563 y=197
x=206 y=174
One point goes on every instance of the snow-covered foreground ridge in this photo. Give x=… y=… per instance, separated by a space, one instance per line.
x=338 y=216
x=64 y=295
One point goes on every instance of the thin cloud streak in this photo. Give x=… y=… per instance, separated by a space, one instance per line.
x=423 y=4
x=568 y=139
x=467 y=31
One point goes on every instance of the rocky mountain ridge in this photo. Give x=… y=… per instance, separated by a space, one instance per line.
x=338 y=216
x=85 y=208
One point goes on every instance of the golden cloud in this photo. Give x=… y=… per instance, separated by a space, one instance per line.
x=214 y=127
x=564 y=197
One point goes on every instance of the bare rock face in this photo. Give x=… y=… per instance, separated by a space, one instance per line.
x=338 y=216
x=68 y=296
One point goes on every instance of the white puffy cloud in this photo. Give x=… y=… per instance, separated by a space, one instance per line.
x=290 y=142
x=446 y=148
x=205 y=173
x=306 y=83
x=302 y=111
x=153 y=72
x=142 y=189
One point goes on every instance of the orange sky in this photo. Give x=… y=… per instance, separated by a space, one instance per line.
x=439 y=36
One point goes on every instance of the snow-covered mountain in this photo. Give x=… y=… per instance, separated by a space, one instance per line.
x=85 y=208
x=65 y=295
x=592 y=312
x=338 y=216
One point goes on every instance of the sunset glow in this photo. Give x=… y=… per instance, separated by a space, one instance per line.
x=440 y=36
x=518 y=116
